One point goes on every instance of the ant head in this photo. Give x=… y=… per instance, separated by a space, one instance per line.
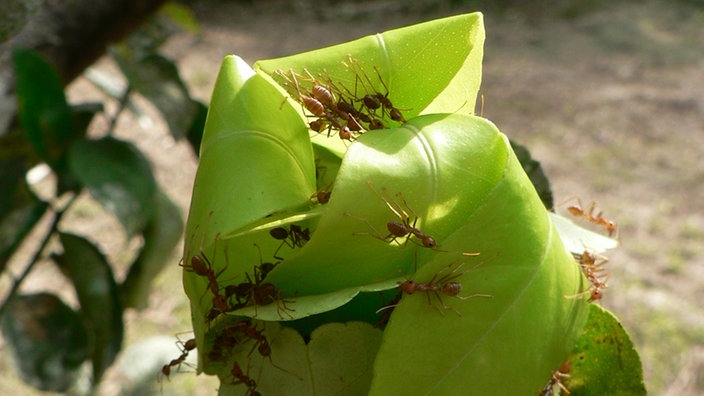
x=429 y=242
x=408 y=286
x=595 y=295
x=345 y=133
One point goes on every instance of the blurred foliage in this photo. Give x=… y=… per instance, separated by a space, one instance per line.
x=50 y=341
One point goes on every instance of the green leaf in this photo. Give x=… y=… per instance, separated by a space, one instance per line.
x=453 y=177
x=20 y=211
x=44 y=113
x=182 y=15
x=158 y=79
x=251 y=138
x=48 y=340
x=96 y=289
x=161 y=235
x=530 y=322
x=195 y=132
x=408 y=60
x=604 y=360
x=118 y=176
x=312 y=369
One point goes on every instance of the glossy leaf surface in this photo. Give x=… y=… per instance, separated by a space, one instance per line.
x=161 y=235
x=118 y=176
x=43 y=111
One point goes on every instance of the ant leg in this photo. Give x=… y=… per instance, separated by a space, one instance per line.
x=376 y=234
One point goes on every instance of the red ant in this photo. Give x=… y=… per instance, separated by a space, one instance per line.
x=321 y=197
x=294 y=237
x=240 y=333
x=556 y=379
x=202 y=266
x=377 y=99
x=187 y=346
x=577 y=210
x=258 y=292
x=321 y=103
x=592 y=266
x=446 y=285
x=404 y=227
x=241 y=378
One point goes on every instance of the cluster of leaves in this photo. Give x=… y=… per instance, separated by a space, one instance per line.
x=50 y=340
x=461 y=182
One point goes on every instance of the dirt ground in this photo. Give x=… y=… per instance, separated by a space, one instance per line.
x=611 y=101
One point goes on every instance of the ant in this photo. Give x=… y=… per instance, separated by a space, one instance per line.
x=406 y=227
x=599 y=219
x=258 y=292
x=187 y=346
x=241 y=378
x=202 y=266
x=309 y=101
x=377 y=99
x=321 y=197
x=349 y=113
x=321 y=103
x=294 y=237
x=556 y=379
x=446 y=285
x=592 y=266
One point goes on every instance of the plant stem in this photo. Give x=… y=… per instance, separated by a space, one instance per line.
x=35 y=258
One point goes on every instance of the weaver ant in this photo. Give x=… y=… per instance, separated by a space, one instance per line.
x=376 y=100
x=320 y=102
x=241 y=378
x=556 y=379
x=186 y=347
x=592 y=266
x=293 y=237
x=321 y=197
x=445 y=284
x=588 y=214
x=258 y=292
x=404 y=228
x=202 y=266
x=309 y=101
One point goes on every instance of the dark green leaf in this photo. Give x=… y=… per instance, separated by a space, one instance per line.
x=195 y=132
x=536 y=174
x=43 y=111
x=158 y=79
x=95 y=286
x=20 y=209
x=82 y=116
x=118 y=176
x=48 y=340
x=604 y=361
x=161 y=235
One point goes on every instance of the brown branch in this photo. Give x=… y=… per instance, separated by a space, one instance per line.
x=72 y=34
